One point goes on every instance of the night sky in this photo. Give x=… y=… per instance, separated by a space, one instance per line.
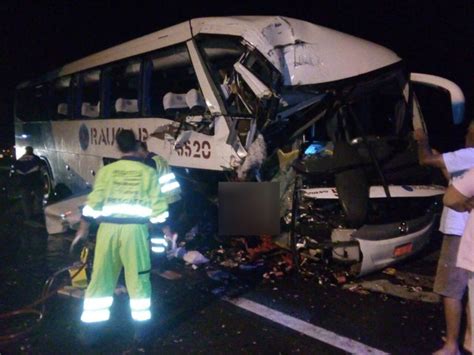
x=435 y=37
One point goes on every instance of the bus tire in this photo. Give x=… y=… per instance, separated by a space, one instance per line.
x=47 y=183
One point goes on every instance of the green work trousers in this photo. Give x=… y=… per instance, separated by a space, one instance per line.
x=119 y=245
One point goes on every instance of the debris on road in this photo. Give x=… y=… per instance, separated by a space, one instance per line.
x=176 y=253
x=411 y=279
x=252 y=266
x=357 y=289
x=70 y=291
x=220 y=275
x=168 y=274
x=341 y=277
x=266 y=245
x=229 y=264
x=194 y=257
x=402 y=291
x=416 y=280
x=390 y=271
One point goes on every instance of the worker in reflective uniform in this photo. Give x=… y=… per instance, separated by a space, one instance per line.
x=125 y=198
x=169 y=185
x=170 y=188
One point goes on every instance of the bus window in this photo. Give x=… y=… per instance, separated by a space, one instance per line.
x=221 y=53
x=32 y=103
x=171 y=85
x=380 y=111
x=61 y=98
x=262 y=69
x=122 y=84
x=89 y=94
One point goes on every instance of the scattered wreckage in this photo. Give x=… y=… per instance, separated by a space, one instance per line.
x=326 y=115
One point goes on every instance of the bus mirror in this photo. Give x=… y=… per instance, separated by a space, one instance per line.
x=439 y=98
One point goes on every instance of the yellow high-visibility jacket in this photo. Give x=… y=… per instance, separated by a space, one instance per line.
x=126 y=191
x=169 y=185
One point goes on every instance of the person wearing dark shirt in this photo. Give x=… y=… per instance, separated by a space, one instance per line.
x=28 y=172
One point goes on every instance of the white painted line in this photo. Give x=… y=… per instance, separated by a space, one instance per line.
x=321 y=334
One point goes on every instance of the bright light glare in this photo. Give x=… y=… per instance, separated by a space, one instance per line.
x=19 y=152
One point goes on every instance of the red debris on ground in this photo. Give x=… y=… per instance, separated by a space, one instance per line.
x=266 y=246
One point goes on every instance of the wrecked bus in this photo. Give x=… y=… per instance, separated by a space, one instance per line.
x=253 y=99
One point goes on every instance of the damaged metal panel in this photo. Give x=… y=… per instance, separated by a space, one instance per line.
x=258 y=88
x=61 y=216
x=193 y=149
x=397 y=191
x=304 y=53
x=378 y=253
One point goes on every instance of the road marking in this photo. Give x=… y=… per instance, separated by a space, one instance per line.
x=321 y=334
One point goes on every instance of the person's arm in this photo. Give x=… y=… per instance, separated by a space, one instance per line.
x=460 y=195
x=426 y=155
x=81 y=236
x=159 y=206
x=455 y=200
x=444 y=170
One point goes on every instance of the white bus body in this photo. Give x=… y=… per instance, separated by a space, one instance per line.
x=200 y=94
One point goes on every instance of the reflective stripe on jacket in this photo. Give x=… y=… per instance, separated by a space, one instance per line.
x=169 y=185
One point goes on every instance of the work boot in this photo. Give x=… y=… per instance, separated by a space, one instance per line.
x=91 y=333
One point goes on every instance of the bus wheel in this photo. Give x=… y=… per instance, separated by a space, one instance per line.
x=47 y=184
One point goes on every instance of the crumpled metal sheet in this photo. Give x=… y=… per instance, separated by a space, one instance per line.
x=304 y=53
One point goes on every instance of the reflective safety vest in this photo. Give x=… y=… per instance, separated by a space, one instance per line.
x=168 y=184
x=126 y=192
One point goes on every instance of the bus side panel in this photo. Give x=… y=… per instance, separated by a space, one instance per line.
x=75 y=149
x=88 y=141
x=41 y=137
x=35 y=134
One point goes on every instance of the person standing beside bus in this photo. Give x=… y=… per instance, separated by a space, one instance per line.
x=169 y=187
x=30 y=183
x=451 y=281
x=460 y=197
x=125 y=198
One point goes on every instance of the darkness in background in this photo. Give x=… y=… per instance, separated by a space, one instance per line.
x=435 y=37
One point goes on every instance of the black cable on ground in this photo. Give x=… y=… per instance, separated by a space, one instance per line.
x=31 y=308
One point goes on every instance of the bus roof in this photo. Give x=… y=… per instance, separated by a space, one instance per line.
x=303 y=52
